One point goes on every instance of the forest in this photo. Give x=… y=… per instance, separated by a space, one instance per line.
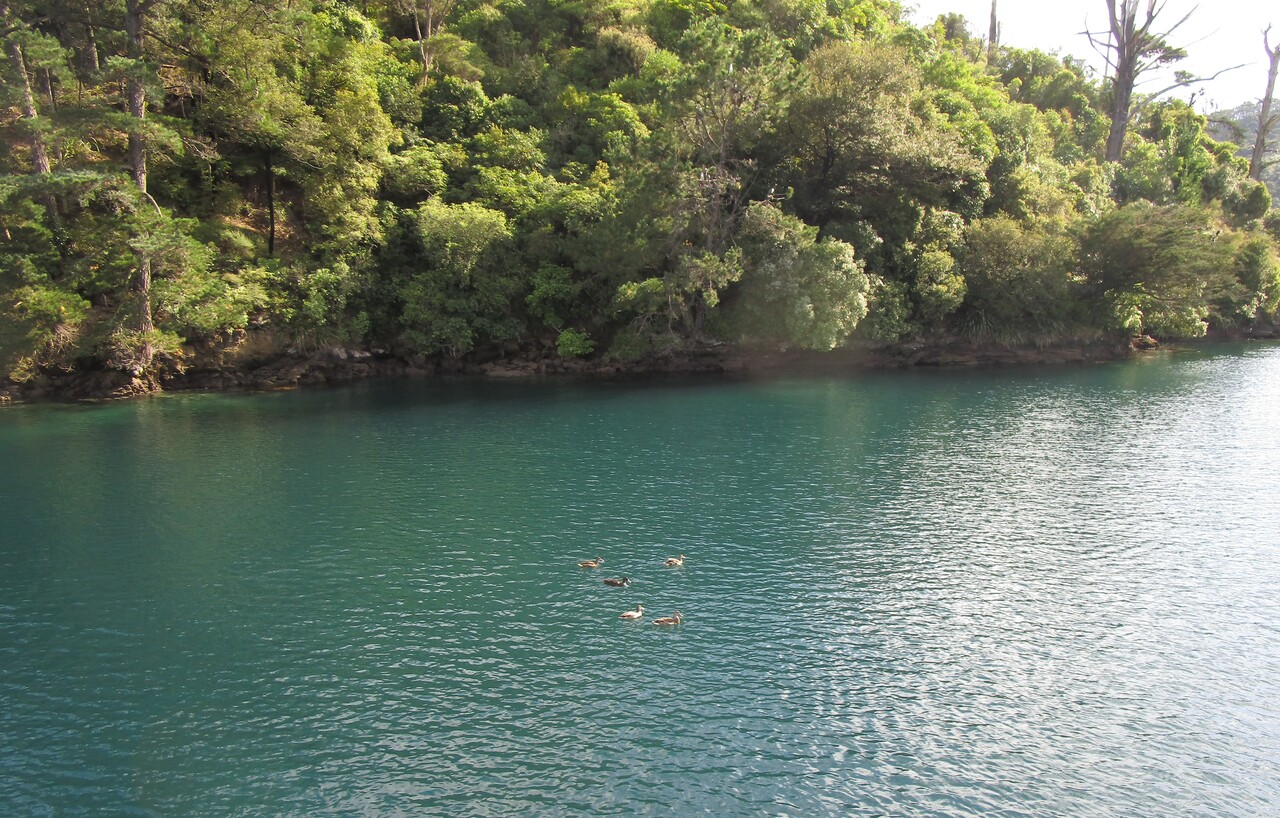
x=610 y=179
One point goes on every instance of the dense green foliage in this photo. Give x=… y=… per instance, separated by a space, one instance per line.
x=610 y=177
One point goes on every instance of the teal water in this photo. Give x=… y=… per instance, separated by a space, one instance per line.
x=992 y=593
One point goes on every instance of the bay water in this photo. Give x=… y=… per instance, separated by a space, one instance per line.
x=1011 y=592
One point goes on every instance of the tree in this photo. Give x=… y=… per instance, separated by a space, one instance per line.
x=428 y=20
x=735 y=97
x=1018 y=278
x=135 y=89
x=796 y=289
x=30 y=115
x=1265 y=119
x=993 y=34
x=462 y=290
x=859 y=137
x=876 y=153
x=1164 y=270
x=1132 y=49
x=637 y=173
x=252 y=106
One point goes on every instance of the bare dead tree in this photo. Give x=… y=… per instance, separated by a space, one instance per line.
x=993 y=33
x=1265 y=118
x=1131 y=47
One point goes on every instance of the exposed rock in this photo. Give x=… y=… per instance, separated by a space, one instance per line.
x=512 y=369
x=134 y=387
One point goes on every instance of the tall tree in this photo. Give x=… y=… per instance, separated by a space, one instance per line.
x=735 y=98
x=30 y=114
x=862 y=142
x=993 y=33
x=1265 y=118
x=1132 y=47
x=134 y=17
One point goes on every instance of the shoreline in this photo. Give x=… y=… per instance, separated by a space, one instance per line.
x=221 y=372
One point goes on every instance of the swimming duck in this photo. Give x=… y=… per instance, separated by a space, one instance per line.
x=618 y=583
x=595 y=563
x=675 y=562
x=636 y=614
x=675 y=619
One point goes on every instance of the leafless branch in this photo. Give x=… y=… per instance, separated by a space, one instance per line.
x=1147 y=99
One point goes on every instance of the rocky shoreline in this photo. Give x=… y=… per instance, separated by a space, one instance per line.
x=249 y=364
x=242 y=367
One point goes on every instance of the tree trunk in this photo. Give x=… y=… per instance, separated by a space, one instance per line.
x=90 y=56
x=1133 y=49
x=423 y=52
x=39 y=153
x=699 y=315
x=138 y=162
x=53 y=107
x=993 y=34
x=1123 y=90
x=271 y=204
x=1126 y=48
x=1264 y=115
x=48 y=90
x=137 y=100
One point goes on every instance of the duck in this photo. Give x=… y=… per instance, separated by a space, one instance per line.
x=595 y=563
x=675 y=562
x=632 y=615
x=618 y=583
x=675 y=619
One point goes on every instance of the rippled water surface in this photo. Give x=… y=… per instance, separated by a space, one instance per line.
x=996 y=593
